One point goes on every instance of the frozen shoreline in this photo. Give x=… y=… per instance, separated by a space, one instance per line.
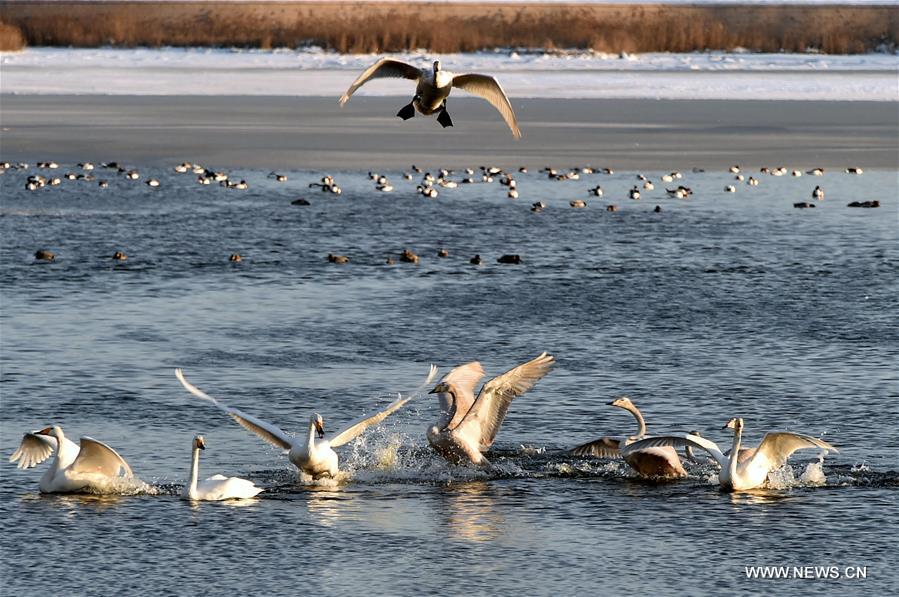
x=312 y=132
x=585 y=75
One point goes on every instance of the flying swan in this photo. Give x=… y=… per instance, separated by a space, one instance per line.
x=313 y=456
x=217 y=487
x=433 y=87
x=468 y=426
x=91 y=466
x=660 y=461
x=741 y=470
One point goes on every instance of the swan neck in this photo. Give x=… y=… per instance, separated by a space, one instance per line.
x=194 y=473
x=310 y=437
x=735 y=452
x=641 y=432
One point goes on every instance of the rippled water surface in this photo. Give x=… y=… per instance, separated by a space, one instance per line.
x=721 y=305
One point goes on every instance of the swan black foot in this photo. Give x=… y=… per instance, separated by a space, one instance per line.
x=444 y=118
x=407 y=112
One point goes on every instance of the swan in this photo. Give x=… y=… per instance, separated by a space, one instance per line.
x=90 y=466
x=740 y=469
x=217 y=487
x=649 y=462
x=313 y=456
x=468 y=425
x=433 y=87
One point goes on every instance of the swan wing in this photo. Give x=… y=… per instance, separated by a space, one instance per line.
x=482 y=422
x=96 y=457
x=604 y=447
x=463 y=378
x=356 y=427
x=488 y=88
x=677 y=441
x=269 y=432
x=777 y=446
x=383 y=68
x=33 y=450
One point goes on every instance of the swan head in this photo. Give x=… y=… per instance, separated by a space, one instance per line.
x=199 y=442
x=736 y=424
x=436 y=66
x=319 y=423
x=52 y=431
x=441 y=388
x=622 y=402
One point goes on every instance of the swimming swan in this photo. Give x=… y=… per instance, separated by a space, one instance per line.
x=433 y=87
x=740 y=470
x=468 y=426
x=661 y=461
x=217 y=487
x=314 y=456
x=91 y=466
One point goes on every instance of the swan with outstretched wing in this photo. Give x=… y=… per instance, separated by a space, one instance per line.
x=741 y=469
x=656 y=461
x=468 y=426
x=432 y=88
x=313 y=454
x=89 y=465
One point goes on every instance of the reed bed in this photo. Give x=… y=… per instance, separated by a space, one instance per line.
x=384 y=27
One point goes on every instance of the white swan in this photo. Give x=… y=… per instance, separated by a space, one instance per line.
x=741 y=469
x=313 y=456
x=433 y=87
x=91 y=466
x=661 y=461
x=468 y=426
x=217 y=487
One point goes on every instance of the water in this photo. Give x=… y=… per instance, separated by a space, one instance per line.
x=722 y=305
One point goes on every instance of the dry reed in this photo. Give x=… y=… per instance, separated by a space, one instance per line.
x=384 y=27
x=11 y=38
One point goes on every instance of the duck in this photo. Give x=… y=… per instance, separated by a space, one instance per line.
x=753 y=182
x=119 y=256
x=442 y=253
x=409 y=257
x=740 y=470
x=649 y=462
x=854 y=171
x=513 y=259
x=217 y=487
x=595 y=191
x=730 y=189
x=578 y=203
x=818 y=193
x=235 y=258
x=341 y=259
x=467 y=426
x=152 y=182
x=538 y=206
x=312 y=454
x=433 y=86
x=88 y=466
x=44 y=255
x=634 y=193
x=476 y=260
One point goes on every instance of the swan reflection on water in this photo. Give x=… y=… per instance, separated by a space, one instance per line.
x=471 y=512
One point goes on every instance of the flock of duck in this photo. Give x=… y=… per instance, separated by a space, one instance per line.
x=431 y=186
x=466 y=428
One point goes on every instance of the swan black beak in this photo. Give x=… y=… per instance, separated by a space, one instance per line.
x=321 y=429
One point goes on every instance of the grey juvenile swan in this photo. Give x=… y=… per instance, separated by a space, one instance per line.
x=468 y=425
x=433 y=87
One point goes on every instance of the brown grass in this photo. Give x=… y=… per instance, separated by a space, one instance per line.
x=382 y=27
x=11 y=38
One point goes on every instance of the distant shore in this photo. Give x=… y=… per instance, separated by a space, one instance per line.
x=451 y=27
x=313 y=132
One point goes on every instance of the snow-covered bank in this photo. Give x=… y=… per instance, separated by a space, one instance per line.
x=313 y=72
